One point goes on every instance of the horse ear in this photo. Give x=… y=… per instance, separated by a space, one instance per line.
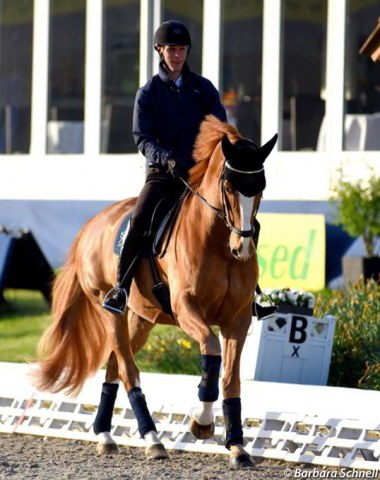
x=227 y=147
x=267 y=148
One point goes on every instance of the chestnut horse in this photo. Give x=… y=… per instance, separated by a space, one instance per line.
x=211 y=269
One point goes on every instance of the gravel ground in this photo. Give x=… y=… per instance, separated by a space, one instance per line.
x=24 y=457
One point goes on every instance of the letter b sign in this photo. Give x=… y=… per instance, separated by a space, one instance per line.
x=298 y=336
x=298 y=329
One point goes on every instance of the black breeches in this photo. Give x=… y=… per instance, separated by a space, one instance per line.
x=157 y=186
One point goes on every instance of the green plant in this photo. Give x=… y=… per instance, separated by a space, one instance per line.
x=371 y=377
x=358 y=209
x=355 y=355
x=169 y=350
x=23 y=318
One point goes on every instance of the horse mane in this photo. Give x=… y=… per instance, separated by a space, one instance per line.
x=211 y=132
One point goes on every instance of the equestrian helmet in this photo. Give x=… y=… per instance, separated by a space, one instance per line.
x=172 y=33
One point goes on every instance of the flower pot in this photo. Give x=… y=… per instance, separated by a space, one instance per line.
x=354 y=267
x=295 y=309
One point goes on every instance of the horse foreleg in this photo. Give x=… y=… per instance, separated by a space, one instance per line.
x=190 y=319
x=202 y=423
x=239 y=457
x=233 y=345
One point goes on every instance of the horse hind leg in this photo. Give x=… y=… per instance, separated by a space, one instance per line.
x=121 y=365
x=103 y=420
x=139 y=330
x=155 y=450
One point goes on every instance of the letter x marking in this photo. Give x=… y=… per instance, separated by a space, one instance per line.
x=295 y=351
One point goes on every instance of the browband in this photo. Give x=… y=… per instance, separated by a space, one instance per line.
x=242 y=171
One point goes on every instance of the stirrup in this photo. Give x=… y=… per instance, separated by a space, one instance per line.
x=113 y=301
x=263 y=312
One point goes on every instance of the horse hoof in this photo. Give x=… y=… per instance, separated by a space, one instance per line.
x=106 y=448
x=242 y=461
x=201 y=432
x=156 y=452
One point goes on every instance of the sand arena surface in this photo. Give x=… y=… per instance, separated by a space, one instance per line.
x=24 y=457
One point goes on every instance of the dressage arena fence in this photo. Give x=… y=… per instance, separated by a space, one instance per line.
x=299 y=423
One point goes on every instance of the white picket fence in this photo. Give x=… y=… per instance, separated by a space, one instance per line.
x=301 y=423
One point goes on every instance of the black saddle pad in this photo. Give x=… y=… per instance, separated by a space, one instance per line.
x=166 y=218
x=163 y=216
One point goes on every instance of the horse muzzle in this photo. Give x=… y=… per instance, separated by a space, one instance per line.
x=242 y=248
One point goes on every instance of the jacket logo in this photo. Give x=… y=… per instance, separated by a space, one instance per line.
x=196 y=91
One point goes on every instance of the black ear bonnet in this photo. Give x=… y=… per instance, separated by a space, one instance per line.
x=244 y=166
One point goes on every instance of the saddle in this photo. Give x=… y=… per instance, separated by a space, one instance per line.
x=161 y=229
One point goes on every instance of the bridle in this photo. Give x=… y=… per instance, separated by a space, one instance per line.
x=223 y=213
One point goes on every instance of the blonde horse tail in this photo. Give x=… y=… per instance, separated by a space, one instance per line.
x=74 y=346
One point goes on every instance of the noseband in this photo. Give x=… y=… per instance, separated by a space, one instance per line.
x=223 y=214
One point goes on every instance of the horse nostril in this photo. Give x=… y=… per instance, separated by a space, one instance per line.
x=235 y=252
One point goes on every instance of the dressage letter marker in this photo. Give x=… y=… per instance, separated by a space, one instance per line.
x=299 y=333
x=290 y=348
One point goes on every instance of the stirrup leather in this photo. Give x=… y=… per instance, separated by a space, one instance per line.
x=111 y=296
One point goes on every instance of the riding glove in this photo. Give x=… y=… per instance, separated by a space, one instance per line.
x=175 y=169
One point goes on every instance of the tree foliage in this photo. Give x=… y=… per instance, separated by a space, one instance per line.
x=358 y=209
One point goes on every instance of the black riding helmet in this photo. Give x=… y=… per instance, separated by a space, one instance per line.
x=172 y=32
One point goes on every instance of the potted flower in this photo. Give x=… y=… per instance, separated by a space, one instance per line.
x=289 y=300
x=358 y=212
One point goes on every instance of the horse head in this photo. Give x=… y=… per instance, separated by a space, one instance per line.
x=243 y=181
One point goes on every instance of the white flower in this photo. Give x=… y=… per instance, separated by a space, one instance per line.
x=310 y=300
x=293 y=296
x=288 y=296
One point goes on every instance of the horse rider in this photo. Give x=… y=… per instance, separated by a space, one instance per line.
x=167 y=113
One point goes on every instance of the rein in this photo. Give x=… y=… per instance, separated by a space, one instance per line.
x=221 y=212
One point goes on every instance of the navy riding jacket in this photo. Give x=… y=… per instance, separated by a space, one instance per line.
x=166 y=118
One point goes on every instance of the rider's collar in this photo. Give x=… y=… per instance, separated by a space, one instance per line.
x=165 y=76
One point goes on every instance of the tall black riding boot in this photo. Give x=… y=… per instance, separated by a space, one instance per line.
x=116 y=300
